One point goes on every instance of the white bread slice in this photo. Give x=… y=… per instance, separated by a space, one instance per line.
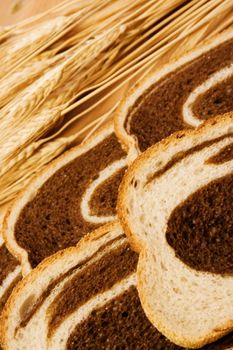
x=189 y=306
x=135 y=101
x=55 y=210
x=112 y=317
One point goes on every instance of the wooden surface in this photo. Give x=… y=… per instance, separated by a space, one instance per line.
x=12 y=11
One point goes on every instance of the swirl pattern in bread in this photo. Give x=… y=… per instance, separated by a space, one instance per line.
x=73 y=195
x=175 y=204
x=85 y=297
x=181 y=95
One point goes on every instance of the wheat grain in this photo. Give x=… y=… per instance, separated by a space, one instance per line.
x=32 y=97
x=23 y=47
x=22 y=170
x=29 y=100
x=24 y=77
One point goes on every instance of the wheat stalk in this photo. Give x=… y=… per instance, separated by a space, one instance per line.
x=29 y=41
x=39 y=122
x=161 y=45
x=19 y=49
x=24 y=167
x=19 y=80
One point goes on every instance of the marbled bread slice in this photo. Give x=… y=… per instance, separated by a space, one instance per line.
x=85 y=297
x=73 y=195
x=181 y=95
x=175 y=205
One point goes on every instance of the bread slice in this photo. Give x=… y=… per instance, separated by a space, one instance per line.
x=84 y=297
x=78 y=290
x=181 y=95
x=73 y=195
x=10 y=273
x=10 y=270
x=175 y=205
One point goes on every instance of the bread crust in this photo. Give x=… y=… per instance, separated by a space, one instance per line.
x=138 y=245
x=191 y=344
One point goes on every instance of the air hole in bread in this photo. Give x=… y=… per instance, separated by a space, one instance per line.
x=183 y=279
x=158 y=164
x=142 y=219
x=180 y=136
x=27 y=307
x=68 y=222
x=218 y=101
x=132 y=181
x=163 y=267
x=176 y=290
x=125 y=314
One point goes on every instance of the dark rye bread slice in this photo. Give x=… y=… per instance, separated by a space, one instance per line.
x=73 y=195
x=175 y=205
x=181 y=95
x=85 y=297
